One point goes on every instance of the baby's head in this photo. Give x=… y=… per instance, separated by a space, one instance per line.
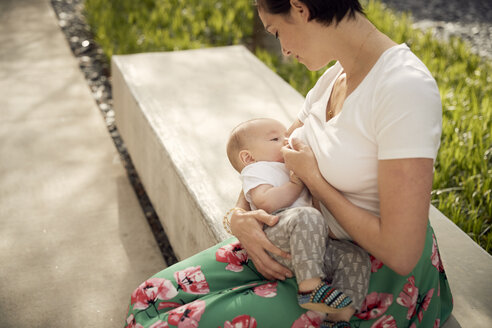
x=256 y=140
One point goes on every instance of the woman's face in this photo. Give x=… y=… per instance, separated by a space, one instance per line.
x=294 y=34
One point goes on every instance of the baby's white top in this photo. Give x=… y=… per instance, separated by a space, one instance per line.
x=271 y=173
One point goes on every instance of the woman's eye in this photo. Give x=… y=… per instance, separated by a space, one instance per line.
x=274 y=139
x=276 y=35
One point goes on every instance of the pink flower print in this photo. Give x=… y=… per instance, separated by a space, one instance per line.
x=167 y=305
x=187 y=316
x=437 y=323
x=386 y=321
x=375 y=305
x=408 y=297
x=375 y=264
x=150 y=291
x=160 y=324
x=309 y=319
x=425 y=304
x=131 y=323
x=427 y=299
x=234 y=254
x=192 y=280
x=267 y=290
x=241 y=321
x=413 y=325
x=436 y=257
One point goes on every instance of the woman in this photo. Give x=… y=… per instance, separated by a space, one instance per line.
x=369 y=133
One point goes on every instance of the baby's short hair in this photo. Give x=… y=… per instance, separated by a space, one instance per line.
x=240 y=138
x=236 y=143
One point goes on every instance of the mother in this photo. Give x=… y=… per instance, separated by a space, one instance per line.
x=368 y=133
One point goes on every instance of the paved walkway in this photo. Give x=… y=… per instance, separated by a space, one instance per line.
x=73 y=240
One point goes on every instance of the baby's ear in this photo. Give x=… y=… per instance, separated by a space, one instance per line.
x=245 y=157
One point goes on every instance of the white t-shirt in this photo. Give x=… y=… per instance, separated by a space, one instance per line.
x=395 y=112
x=270 y=173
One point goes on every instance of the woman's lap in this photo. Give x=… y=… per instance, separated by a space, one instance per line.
x=217 y=286
x=221 y=288
x=421 y=299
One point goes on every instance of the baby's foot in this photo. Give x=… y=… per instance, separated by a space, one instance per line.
x=339 y=324
x=324 y=298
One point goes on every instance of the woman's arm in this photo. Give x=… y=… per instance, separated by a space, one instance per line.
x=247 y=227
x=397 y=237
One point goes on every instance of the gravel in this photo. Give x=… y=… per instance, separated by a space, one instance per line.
x=471 y=20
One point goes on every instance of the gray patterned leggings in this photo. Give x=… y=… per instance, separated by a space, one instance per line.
x=302 y=231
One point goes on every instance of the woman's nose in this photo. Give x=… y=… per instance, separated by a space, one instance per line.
x=285 y=52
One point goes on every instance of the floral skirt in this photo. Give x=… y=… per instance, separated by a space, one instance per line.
x=220 y=287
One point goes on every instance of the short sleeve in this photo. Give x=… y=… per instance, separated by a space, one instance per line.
x=408 y=115
x=260 y=173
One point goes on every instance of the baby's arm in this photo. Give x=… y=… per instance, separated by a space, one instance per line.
x=270 y=198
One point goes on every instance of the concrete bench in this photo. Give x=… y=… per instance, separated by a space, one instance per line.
x=175 y=111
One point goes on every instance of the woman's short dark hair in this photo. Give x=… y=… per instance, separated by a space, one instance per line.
x=323 y=11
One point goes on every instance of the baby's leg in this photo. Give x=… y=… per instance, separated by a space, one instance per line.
x=348 y=267
x=302 y=232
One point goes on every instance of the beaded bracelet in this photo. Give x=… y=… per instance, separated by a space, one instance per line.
x=226 y=221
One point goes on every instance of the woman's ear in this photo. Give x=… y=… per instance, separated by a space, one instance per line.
x=300 y=8
x=246 y=157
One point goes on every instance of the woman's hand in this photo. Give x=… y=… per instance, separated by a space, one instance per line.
x=300 y=159
x=295 y=179
x=247 y=227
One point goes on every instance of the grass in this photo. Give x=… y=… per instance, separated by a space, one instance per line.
x=126 y=26
x=463 y=176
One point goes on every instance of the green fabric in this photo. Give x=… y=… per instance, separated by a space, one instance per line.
x=220 y=287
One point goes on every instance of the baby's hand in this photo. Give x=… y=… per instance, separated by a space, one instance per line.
x=295 y=179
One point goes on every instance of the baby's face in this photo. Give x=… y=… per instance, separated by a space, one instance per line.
x=268 y=138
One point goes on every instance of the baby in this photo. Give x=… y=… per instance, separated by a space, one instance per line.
x=320 y=264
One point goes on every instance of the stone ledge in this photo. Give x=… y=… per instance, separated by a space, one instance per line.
x=185 y=170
